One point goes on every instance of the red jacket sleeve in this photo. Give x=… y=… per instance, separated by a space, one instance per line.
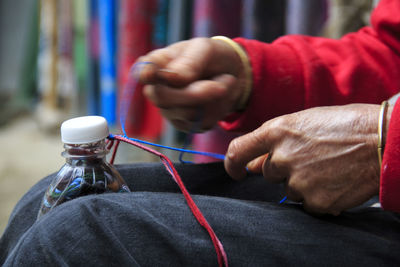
x=297 y=72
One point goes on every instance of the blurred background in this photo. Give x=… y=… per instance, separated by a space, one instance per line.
x=65 y=58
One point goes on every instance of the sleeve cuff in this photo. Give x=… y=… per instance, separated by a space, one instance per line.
x=277 y=84
x=390 y=171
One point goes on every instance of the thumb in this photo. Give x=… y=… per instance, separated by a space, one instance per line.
x=190 y=65
x=248 y=147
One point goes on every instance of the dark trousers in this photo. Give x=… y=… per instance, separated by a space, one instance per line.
x=153 y=226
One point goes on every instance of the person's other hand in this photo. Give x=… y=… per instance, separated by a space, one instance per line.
x=327 y=156
x=195 y=82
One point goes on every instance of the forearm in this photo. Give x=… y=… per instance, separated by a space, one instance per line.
x=299 y=72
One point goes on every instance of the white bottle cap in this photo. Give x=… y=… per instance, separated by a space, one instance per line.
x=82 y=130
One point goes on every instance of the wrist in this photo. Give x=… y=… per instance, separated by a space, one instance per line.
x=243 y=71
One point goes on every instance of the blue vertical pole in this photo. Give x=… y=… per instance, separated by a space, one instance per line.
x=107 y=21
x=93 y=86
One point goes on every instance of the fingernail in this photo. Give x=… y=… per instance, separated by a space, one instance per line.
x=167 y=71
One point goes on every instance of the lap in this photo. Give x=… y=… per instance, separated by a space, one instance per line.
x=153 y=226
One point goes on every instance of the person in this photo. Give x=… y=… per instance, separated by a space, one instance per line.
x=283 y=95
x=292 y=74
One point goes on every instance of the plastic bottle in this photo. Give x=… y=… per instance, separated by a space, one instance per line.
x=86 y=170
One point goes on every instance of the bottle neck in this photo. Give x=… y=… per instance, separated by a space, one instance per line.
x=93 y=152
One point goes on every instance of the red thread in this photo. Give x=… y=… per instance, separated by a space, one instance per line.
x=221 y=255
x=109 y=143
x=114 y=152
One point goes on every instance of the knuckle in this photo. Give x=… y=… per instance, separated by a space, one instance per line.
x=233 y=151
x=278 y=122
x=280 y=158
x=257 y=136
x=316 y=204
x=205 y=43
x=275 y=128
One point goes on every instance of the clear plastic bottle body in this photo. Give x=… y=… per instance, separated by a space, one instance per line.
x=85 y=172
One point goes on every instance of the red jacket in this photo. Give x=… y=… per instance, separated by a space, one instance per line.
x=297 y=72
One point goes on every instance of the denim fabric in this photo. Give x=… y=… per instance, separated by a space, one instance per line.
x=153 y=226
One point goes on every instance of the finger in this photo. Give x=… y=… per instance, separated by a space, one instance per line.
x=178 y=64
x=197 y=94
x=187 y=114
x=183 y=119
x=244 y=149
x=256 y=165
x=274 y=170
x=292 y=192
x=156 y=60
x=191 y=64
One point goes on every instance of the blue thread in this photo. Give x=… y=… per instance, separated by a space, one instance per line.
x=188 y=140
x=208 y=154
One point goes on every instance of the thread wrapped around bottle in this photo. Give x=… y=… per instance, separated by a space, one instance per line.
x=86 y=171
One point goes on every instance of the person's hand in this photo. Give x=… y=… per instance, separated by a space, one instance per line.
x=194 y=83
x=327 y=156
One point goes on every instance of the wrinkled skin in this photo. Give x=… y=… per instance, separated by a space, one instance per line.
x=326 y=156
